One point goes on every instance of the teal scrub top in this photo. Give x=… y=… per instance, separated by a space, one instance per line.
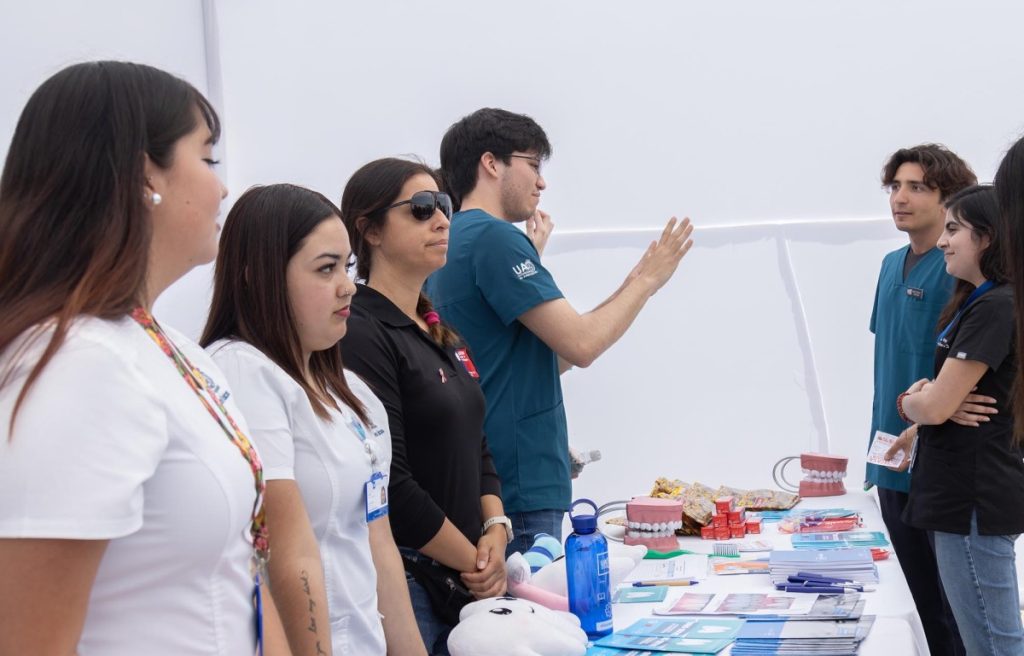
x=904 y=321
x=493 y=275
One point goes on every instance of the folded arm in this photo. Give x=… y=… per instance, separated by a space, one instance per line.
x=935 y=403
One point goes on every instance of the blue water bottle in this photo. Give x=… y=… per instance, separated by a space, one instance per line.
x=586 y=566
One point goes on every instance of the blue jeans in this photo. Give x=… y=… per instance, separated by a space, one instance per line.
x=526 y=525
x=433 y=631
x=980 y=579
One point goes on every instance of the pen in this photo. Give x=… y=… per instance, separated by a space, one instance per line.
x=825 y=589
x=818 y=577
x=649 y=584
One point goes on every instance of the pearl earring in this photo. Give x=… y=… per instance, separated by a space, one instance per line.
x=156 y=198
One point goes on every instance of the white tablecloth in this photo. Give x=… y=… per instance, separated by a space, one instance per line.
x=897 y=629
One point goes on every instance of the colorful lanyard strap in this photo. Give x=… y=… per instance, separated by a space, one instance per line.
x=975 y=295
x=213 y=404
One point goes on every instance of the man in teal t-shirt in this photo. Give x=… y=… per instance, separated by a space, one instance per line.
x=523 y=333
x=913 y=287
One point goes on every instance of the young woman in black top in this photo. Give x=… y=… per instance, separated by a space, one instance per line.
x=446 y=510
x=968 y=482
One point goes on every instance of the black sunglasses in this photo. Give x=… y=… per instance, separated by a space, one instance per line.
x=425 y=203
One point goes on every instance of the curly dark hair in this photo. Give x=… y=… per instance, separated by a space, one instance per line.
x=943 y=169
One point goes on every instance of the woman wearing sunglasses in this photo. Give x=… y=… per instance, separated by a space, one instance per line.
x=130 y=496
x=281 y=301
x=968 y=482
x=446 y=510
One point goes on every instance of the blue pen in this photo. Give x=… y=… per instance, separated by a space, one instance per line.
x=811 y=576
x=651 y=584
x=827 y=589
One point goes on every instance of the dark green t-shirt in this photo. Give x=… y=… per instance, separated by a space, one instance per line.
x=494 y=275
x=904 y=323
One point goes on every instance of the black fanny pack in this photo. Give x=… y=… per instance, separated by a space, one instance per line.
x=444 y=588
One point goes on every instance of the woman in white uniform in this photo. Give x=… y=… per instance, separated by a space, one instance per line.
x=130 y=497
x=280 y=306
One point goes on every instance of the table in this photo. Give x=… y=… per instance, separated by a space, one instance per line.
x=897 y=628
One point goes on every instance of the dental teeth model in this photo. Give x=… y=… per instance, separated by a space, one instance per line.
x=823 y=475
x=654 y=515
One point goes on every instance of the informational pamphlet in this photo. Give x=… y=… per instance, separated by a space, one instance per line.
x=692 y=567
x=737 y=603
x=690 y=635
x=881 y=444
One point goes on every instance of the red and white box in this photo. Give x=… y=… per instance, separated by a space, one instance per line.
x=753 y=525
x=725 y=505
x=707 y=532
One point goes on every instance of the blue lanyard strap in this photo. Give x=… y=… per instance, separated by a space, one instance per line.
x=975 y=295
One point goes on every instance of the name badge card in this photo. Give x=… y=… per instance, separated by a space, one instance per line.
x=377 y=496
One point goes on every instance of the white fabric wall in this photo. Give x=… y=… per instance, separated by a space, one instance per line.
x=765 y=122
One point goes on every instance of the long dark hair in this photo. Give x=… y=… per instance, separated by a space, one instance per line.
x=370 y=189
x=976 y=206
x=1009 y=183
x=263 y=231
x=74 y=228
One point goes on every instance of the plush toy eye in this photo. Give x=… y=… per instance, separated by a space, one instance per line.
x=506 y=598
x=501 y=611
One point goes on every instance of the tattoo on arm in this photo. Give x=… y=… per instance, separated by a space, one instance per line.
x=312 y=628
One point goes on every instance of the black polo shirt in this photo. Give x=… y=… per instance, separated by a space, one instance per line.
x=962 y=469
x=440 y=464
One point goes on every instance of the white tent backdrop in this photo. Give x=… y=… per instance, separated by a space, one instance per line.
x=765 y=122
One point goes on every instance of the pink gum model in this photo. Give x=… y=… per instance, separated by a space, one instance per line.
x=654 y=515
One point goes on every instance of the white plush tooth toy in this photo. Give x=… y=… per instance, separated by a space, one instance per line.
x=504 y=626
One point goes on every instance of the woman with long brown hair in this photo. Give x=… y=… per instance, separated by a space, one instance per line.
x=130 y=498
x=446 y=509
x=968 y=482
x=281 y=300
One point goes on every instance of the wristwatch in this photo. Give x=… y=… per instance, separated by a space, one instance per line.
x=500 y=519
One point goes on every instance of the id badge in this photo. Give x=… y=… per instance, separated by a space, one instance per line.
x=376 y=496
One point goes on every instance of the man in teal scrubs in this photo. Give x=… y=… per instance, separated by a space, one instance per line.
x=913 y=287
x=507 y=306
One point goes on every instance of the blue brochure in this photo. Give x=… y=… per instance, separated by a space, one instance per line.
x=676 y=635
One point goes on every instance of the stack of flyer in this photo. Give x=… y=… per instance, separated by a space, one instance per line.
x=835 y=626
x=852 y=564
x=675 y=635
x=785 y=637
x=843 y=540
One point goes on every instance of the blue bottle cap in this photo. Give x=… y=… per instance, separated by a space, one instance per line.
x=583 y=524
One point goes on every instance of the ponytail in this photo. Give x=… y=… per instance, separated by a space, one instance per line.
x=440 y=333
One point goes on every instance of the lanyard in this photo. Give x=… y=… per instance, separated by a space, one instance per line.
x=975 y=295
x=357 y=427
x=195 y=380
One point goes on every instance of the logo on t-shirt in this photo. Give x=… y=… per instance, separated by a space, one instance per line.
x=214 y=386
x=524 y=270
x=463 y=356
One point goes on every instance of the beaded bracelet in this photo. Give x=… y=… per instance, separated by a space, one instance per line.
x=899 y=408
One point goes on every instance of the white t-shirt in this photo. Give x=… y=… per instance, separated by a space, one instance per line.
x=112 y=444
x=331 y=466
